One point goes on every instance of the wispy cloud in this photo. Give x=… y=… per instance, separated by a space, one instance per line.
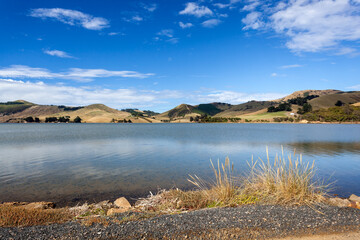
x=253 y=21
x=135 y=18
x=166 y=32
x=167 y=35
x=309 y=25
x=196 y=10
x=230 y=4
x=185 y=25
x=79 y=74
x=354 y=88
x=236 y=97
x=211 y=23
x=291 y=66
x=150 y=7
x=71 y=17
x=58 y=53
x=42 y=93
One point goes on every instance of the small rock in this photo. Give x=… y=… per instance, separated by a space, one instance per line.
x=354 y=198
x=122 y=203
x=339 y=202
x=354 y=204
x=113 y=211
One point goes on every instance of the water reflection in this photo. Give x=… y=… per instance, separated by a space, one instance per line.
x=326 y=148
x=99 y=161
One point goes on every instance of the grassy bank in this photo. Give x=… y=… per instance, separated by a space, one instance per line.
x=283 y=181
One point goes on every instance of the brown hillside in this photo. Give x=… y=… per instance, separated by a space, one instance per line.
x=245 y=108
x=178 y=111
x=308 y=92
x=95 y=113
x=327 y=101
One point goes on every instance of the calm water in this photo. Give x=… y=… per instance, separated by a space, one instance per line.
x=69 y=162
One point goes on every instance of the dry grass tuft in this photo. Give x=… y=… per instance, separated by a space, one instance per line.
x=14 y=216
x=285 y=181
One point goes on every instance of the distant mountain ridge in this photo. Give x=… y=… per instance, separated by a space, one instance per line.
x=17 y=110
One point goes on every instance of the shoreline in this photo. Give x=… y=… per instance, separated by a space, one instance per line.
x=242 y=222
x=252 y=122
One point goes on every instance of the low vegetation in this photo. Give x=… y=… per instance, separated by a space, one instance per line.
x=208 y=119
x=282 y=181
x=346 y=113
x=21 y=216
x=280 y=108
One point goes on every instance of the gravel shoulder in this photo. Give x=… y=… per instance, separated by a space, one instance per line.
x=245 y=222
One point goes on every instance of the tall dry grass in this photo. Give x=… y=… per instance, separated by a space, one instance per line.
x=286 y=180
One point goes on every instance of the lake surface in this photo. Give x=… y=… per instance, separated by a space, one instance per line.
x=92 y=162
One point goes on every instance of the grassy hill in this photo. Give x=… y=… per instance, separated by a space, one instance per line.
x=245 y=108
x=180 y=111
x=8 y=108
x=252 y=110
x=304 y=93
x=185 y=110
x=327 y=101
x=96 y=113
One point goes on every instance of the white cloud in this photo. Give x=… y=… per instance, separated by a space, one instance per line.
x=113 y=33
x=354 y=88
x=71 y=17
x=251 y=6
x=20 y=71
x=211 y=23
x=237 y=97
x=346 y=51
x=150 y=7
x=311 y=25
x=137 y=18
x=185 y=25
x=274 y=74
x=226 y=5
x=166 y=32
x=194 y=9
x=173 y=40
x=291 y=66
x=79 y=74
x=252 y=21
x=41 y=93
x=58 y=53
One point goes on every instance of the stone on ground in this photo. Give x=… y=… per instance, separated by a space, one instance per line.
x=122 y=203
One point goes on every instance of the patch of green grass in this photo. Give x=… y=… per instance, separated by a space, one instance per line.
x=265 y=116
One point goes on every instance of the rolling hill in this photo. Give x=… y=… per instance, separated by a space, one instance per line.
x=327 y=101
x=16 y=111
x=96 y=113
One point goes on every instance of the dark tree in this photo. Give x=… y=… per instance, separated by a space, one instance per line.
x=339 y=103
x=51 y=119
x=37 y=120
x=77 y=119
x=191 y=119
x=29 y=119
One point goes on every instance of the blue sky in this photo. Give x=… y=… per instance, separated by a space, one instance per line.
x=157 y=54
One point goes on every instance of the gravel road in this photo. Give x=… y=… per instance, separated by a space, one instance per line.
x=246 y=222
